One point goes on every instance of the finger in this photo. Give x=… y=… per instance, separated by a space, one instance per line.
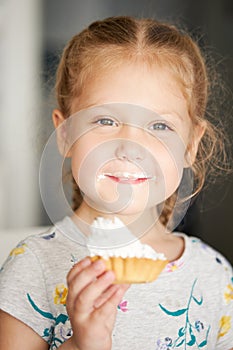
x=107 y=294
x=86 y=299
x=84 y=277
x=82 y=264
x=109 y=308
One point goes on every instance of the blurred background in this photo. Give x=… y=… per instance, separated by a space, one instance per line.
x=33 y=33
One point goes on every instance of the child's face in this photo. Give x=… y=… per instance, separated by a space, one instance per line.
x=130 y=139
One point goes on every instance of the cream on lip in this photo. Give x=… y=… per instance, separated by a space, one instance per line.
x=126 y=175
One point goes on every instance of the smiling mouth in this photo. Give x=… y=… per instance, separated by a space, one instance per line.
x=128 y=178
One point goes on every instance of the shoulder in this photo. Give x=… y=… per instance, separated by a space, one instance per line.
x=39 y=242
x=208 y=260
x=207 y=251
x=28 y=245
x=29 y=251
x=47 y=250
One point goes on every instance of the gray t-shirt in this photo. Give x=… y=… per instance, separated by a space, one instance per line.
x=189 y=306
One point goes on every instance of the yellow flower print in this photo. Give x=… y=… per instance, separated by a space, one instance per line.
x=228 y=295
x=20 y=249
x=174 y=268
x=224 y=326
x=60 y=294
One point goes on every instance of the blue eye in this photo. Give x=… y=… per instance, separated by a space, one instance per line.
x=160 y=126
x=106 y=122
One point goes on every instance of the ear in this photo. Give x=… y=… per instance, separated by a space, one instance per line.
x=192 y=148
x=60 y=126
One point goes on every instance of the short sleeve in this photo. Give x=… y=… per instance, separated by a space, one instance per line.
x=225 y=322
x=21 y=283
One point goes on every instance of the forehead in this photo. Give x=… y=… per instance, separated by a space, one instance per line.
x=151 y=87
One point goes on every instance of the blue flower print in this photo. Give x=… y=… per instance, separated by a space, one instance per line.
x=164 y=344
x=64 y=332
x=49 y=236
x=199 y=326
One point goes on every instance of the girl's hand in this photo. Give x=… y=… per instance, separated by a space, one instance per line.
x=92 y=304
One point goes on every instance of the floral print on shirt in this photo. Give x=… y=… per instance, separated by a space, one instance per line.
x=60 y=294
x=123 y=306
x=224 y=326
x=61 y=330
x=228 y=294
x=18 y=250
x=191 y=333
x=174 y=265
x=225 y=322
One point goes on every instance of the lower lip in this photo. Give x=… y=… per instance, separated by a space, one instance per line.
x=127 y=181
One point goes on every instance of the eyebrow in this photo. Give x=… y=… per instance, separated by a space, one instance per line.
x=91 y=105
x=173 y=114
x=170 y=113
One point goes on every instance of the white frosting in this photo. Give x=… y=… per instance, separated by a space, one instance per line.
x=113 y=239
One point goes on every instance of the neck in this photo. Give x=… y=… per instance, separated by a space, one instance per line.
x=143 y=225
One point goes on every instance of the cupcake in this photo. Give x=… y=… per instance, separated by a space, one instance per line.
x=122 y=252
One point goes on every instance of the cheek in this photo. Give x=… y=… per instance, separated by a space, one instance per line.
x=79 y=152
x=88 y=156
x=76 y=161
x=171 y=164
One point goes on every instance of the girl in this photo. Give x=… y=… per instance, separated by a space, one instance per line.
x=136 y=91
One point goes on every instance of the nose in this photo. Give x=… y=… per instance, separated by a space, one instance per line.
x=128 y=148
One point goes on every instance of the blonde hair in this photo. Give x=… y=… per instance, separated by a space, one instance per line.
x=111 y=42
